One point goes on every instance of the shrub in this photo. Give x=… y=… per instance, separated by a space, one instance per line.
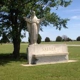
x=78 y=38
x=47 y=39
x=68 y=39
x=58 y=38
x=39 y=39
x=4 y=38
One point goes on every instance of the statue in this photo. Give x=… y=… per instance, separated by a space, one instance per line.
x=33 y=26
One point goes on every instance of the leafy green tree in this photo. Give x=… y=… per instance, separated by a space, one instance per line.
x=13 y=11
x=78 y=38
x=47 y=39
x=59 y=38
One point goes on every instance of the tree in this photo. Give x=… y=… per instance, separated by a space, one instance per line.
x=69 y=39
x=47 y=39
x=78 y=38
x=58 y=38
x=13 y=11
x=64 y=38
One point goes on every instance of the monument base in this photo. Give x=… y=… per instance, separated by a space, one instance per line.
x=47 y=53
x=49 y=59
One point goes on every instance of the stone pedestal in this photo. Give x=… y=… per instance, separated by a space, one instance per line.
x=47 y=53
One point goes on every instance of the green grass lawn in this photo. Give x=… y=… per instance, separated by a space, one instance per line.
x=65 y=42
x=11 y=69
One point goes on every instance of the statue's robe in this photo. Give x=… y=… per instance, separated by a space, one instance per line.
x=33 y=26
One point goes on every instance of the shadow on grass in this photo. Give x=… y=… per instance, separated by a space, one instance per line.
x=8 y=57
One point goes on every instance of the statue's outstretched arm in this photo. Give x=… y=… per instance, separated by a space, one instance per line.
x=39 y=20
x=27 y=19
x=42 y=19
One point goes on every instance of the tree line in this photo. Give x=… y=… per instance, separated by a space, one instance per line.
x=5 y=39
x=63 y=38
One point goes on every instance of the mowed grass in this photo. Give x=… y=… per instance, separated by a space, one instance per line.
x=65 y=42
x=11 y=69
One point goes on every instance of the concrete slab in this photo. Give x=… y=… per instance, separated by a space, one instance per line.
x=49 y=63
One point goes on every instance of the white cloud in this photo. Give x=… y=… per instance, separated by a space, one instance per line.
x=75 y=17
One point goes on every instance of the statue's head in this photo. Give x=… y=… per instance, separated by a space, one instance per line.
x=33 y=13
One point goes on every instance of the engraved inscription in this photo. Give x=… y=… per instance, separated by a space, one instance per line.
x=49 y=49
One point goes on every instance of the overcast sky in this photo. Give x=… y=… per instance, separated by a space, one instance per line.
x=71 y=12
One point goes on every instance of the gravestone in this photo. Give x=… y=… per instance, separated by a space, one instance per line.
x=47 y=53
x=42 y=53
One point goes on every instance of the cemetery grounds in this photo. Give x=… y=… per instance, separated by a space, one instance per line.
x=11 y=69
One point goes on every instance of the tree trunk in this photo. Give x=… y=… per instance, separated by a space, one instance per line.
x=16 y=31
x=16 y=45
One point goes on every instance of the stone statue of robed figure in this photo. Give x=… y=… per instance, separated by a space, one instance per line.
x=33 y=26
